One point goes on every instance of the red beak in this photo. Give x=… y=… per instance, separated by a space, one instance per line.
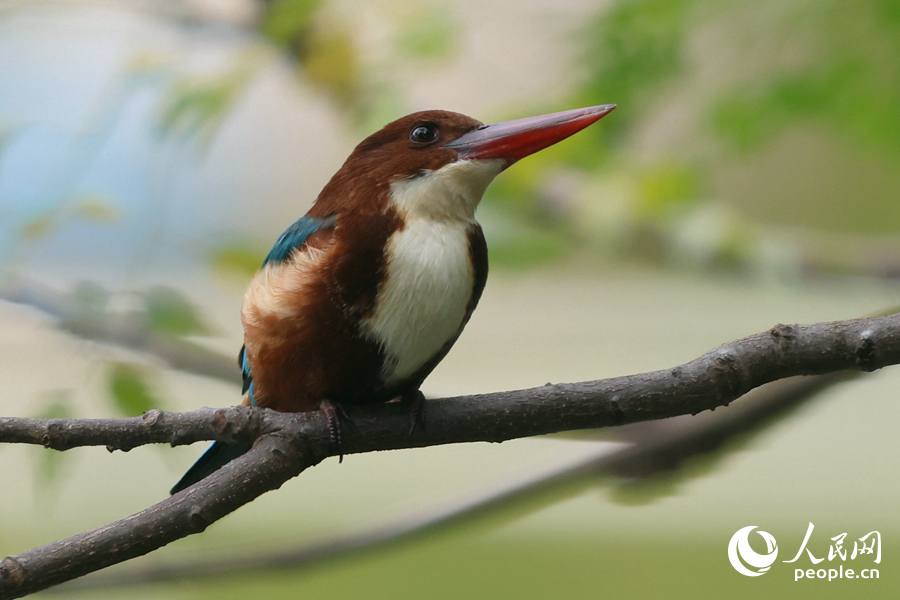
x=513 y=140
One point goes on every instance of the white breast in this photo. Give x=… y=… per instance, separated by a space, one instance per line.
x=430 y=277
x=423 y=301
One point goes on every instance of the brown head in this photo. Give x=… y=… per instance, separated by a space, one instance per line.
x=423 y=144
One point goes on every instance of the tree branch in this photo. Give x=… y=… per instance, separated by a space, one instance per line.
x=232 y=424
x=290 y=443
x=660 y=453
x=127 y=331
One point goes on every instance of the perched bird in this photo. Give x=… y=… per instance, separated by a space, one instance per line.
x=362 y=297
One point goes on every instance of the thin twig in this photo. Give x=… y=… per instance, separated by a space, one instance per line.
x=232 y=424
x=125 y=331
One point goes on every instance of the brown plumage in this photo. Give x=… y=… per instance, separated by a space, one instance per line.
x=308 y=347
x=360 y=299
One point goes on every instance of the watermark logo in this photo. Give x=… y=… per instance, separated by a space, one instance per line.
x=740 y=552
x=748 y=562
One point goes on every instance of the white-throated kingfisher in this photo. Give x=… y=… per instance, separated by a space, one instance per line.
x=362 y=297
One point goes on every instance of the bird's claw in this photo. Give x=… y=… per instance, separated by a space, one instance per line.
x=334 y=412
x=414 y=402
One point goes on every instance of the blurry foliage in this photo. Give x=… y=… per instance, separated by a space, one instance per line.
x=131 y=390
x=830 y=65
x=168 y=310
x=517 y=242
x=52 y=220
x=160 y=310
x=330 y=60
x=89 y=300
x=29 y=234
x=665 y=187
x=324 y=48
x=631 y=50
x=326 y=53
x=330 y=55
x=844 y=73
x=239 y=259
x=848 y=79
x=429 y=33
x=196 y=106
x=286 y=22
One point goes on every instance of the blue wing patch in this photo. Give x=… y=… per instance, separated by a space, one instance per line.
x=292 y=238
x=295 y=235
x=245 y=373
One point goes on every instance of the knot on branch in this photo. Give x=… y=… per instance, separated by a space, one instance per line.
x=151 y=417
x=197 y=520
x=157 y=418
x=284 y=461
x=864 y=355
x=54 y=438
x=236 y=424
x=12 y=571
x=618 y=415
x=726 y=375
x=783 y=335
x=294 y=442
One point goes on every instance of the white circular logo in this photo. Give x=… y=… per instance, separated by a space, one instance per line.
x=739 y=546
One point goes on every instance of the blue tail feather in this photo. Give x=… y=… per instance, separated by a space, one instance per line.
x=216 y=456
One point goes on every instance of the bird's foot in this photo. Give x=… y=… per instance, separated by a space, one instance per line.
x=414 y=402
x=334 y=412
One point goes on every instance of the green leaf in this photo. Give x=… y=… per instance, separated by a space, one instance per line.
x=170 y=311
x=131 y=391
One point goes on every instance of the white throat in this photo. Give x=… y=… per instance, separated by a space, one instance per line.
x=450 y=193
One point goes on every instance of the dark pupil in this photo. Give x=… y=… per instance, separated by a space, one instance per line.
x=423 y=133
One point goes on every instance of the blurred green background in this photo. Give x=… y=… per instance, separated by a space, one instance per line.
x=151 y=151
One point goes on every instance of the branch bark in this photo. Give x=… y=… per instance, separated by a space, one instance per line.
x=660 y=453
x=287 y=444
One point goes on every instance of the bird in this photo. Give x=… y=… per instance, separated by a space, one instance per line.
x=360 y=298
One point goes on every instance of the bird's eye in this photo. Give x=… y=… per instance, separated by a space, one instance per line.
x=423 y=134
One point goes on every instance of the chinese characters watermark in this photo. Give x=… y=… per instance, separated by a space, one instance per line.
x=752 y=564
